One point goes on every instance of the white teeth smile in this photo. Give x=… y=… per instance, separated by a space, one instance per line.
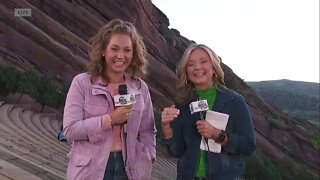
x=199 y=74
x=119 y=62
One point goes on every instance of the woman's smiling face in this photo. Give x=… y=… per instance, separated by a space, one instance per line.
x=118 y=54
x=199 y=69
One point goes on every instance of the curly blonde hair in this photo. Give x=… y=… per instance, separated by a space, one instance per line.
x=137 y=68
x=184 y=86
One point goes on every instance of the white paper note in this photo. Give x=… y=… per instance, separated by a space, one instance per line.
x=218 y=120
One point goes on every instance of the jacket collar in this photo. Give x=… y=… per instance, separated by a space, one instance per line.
x=99 y=86
x=223 y=96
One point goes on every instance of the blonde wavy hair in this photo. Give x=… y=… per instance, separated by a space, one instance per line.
x=184 y=85
x=137 y=68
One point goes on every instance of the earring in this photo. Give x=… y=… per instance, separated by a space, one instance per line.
x=100 y=69
x=188 y=82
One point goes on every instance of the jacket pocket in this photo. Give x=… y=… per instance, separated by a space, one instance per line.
x=81 y=153
x=92 y=110
x=143 y=163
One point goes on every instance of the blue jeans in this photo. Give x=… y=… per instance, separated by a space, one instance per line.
x=115 y=169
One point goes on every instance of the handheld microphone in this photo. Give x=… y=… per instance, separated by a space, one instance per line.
x=199 y=106
x=124 y=99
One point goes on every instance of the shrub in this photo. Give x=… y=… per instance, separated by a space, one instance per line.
x=41 y=87
x=261 y=167
x=315 y=140
x=9 y=80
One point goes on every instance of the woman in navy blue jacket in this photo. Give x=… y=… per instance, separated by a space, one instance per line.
x=200 y=73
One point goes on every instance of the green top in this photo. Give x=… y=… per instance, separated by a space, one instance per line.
x=210 y=95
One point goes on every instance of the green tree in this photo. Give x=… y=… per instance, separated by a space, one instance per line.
x=303 y=173
x=260 y=167
x=40 y=87
x=315 y=140
x=63 y=92
x=46 y=92
x=28 y=83
x=9 y=80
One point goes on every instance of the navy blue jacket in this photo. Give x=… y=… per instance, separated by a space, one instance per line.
x=186 y=140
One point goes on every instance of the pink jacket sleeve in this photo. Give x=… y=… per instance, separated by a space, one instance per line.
x=75 y=126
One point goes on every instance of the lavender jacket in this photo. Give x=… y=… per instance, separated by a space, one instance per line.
x=85 y=105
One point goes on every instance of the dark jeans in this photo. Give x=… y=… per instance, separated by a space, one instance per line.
x=115 y=168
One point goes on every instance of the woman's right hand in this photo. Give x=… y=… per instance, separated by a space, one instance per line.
x=167 y=115
x=120 y=115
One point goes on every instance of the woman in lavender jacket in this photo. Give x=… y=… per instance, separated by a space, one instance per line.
x=111 y=142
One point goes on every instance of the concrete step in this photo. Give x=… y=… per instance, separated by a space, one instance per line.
x=29 y=123
x=42 y=145
x=15 y=140
x=31 y=156
x=11 y=171
x=28 y=166
x=32 y=136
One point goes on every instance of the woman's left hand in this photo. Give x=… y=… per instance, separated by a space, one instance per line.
x=207 y=130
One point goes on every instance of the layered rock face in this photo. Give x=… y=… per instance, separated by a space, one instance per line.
x=54 y=41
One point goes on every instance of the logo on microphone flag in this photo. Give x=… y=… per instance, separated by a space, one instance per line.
x=198 y=106
x=124 y=100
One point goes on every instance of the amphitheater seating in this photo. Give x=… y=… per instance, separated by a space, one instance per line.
x=29 y=148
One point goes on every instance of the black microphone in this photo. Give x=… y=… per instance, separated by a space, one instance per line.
x=124 y=98
x=123 y=89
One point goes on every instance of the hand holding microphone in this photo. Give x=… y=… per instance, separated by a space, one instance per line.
x=207 y=130
x=201 y=106
x=123 y=103
x=204 y=127
x=121 y=115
